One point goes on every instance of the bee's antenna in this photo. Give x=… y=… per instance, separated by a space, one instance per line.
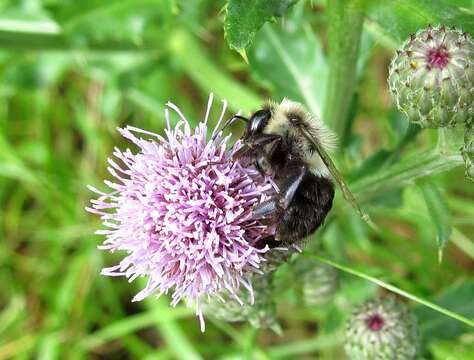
x=232 y=120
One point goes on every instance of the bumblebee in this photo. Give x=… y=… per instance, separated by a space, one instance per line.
x=290 y=145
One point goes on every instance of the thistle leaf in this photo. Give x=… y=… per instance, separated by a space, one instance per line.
x=245 y=17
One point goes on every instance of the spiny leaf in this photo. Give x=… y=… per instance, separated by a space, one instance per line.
x=404 y=173
x=439 y=213
x=245 y=17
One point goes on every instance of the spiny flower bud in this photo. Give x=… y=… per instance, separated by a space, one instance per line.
x=258 y=308
x=468 y=151
x=320 y=281
x=431 y=77
x=382 y=329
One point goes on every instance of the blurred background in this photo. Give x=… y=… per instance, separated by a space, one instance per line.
x=72 y=71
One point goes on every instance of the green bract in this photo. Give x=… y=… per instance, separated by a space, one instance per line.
x=468 y=151
x=382 y=329
x=320 y=282
x=431 y=77
x=260 y=314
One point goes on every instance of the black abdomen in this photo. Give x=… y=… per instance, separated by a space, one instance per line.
x=307 y=210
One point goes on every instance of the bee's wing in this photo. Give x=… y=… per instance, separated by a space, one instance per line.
x=335 y=174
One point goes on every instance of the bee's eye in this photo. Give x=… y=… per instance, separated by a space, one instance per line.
x=258 y=121
x=294 y=119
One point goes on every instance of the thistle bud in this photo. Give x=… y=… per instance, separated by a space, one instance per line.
x=257 y=307
x=320 y=282
x=431 y=77
x=468 y=151
x=259 y=311
x=382 y=329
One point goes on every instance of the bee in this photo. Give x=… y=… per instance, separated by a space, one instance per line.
x=290 y=145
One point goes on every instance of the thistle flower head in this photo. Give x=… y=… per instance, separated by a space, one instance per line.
x=431 y=77
x=382 y=329
x=181 y=208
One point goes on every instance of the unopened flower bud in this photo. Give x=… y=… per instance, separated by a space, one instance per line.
x=431 y=77
x=382 y=329
x=260 y=313
x=320 y=281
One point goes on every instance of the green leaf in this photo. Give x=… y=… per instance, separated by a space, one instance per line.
x=289 y=60
x=397 y=19
x=457 y=298
x=245 y=17
x=370 y=165
x=116 y=20
x=404 y=173
x=439 y=213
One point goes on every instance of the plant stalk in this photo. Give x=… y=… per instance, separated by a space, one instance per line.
x=344 y=32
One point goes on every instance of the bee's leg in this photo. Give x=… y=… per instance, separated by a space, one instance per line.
x=269 y=241
x=266 y=209
x=254 y=143
x=276 y=205
x=290 y=187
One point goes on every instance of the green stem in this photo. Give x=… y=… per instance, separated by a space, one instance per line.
x=395 y=290
x=344 y=33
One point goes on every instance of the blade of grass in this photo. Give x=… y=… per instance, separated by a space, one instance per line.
x=47 y=35
x=206 y=74
x=173 y=335
x=305 y=346
x=131 y=324
x=17 y=346
x=178 y=343
x=394 y=289
x=104 y=9
x=462 y=242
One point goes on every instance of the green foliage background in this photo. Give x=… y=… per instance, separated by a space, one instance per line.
x=72 y=71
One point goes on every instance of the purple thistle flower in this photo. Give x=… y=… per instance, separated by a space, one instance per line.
x=181 y=210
